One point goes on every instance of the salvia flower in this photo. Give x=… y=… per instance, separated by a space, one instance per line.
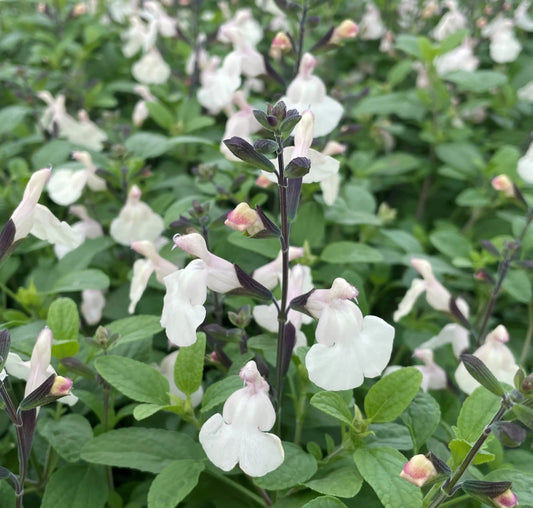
x=239 y=435
x=346 y=30
x=349 y=348
x=136 y=221
x=525 y=165
x=245 y=219
x=433 y=376
x=503 y=183
x=92 y=305
x=496 y=356
x=418 y=470
x=506 y=500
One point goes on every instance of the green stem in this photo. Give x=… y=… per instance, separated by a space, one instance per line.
x=238 y=487
x=301 y=34
x=529 y=334
x=447 y=487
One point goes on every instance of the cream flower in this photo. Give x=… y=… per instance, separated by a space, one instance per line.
x=151 y=68
x=496 y=356
x=504 y=46
x=309 y=92
x=525 y=165
x=136 y=221
x=371 y=27
x=460 y=58
x=92 y=305
x=349 y=347
x=418 y=470
x=433 y=376
x=451 y=22
x=238 y=435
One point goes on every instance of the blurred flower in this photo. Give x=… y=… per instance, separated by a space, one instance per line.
x=238 y=435
x=371 y=27
x=349 y=347
x=143 y=269
x=252 y=63
x=525 y=165
x=245 y=219
x=219 y=83
x=460 y=58
x=308 y=92
x=521 y=17
x=164 y=24
x=503 y=183
x=525 y=93
x=451 y=22
x=140 y=111
x=300 y=282
x=281 y=44
x=166 y=367
x=140 y=35
x=433 y=376
x=36 y=370
x=92 y=304
x=245 y=25
x=151 y=68
x=241 y=124
x=453 y=334
x=418 y=470
x=504 y=46
x=87 y=228
x=330 y=185
x=436 y=294
x=136 y=221
x=496 y=356
x=346 y=30
x=31 y=217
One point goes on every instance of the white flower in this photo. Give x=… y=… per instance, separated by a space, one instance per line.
x=436 y=294
x=433 y=376
x=349 y=347
x=525 y=93
x=166 y=367
x=248 y=28
x=525 y=165
x=241 y=124
x=496 y=356
x=460 y=58
x=143 y=269
x=270 y=274
x=140 y=111
x=219 y=83
x=309 y=92
x=453 y=334
x=136 y=221
x=371 y=27
x=300 y=282
x=31 y=217
x=451 y=22
x=139 y=36
x=183 y=310
x=238 y=435
x=165 y=25
x=92 y=305
x=521 y=18
x=36 y=370
x=504 y=47
x=151 y=68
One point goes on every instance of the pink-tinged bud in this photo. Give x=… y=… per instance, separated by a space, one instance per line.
x=506 y=500
x=79 y=9
x=61 y=386
x=280 y=44
x=263 y=181
x=503 y=184
x=418 y=470
x=243 y=218
x=346 y=30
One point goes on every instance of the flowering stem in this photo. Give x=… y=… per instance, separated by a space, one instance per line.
x=529 y=334
x=301 y=34
x=509 y=255
x=284 y=240
x=448 y=486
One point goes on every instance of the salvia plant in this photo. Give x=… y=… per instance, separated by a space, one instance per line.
x=266 y=254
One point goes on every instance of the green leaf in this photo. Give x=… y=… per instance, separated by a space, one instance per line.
x=460 y=448
x=476 y=81
x=462 y=156
x=422 y=417
x=63 y=319
x=135 y=328
x=392 y=165
x=475 y=198
x=146 y=145
x=265 y=246
x=134 y=379
x=476 y=413
x=451 y=243
x=11 y=116
x=161 y=115
x=381 y=468
x=389 y=434
x=68 y=435
x=143 y=411
x=297 y=467
x=334 y=405
x=409 y=44
x=174 y=483
x=79 y=258
x=404 y=104
x=388 y=398
x=189 y=367
x=83 y=279
x=218 y=392
x=76 y=486
x=518 y=285
x=145 y=449
x=324 y=502
x=339 y=478
x=309 y=225
x=350 y=252
x=406 y=241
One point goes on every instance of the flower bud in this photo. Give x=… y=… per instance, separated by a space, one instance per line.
x=507 y=499
x=503 y=184
x=346 y=30
x=61 y=386
x=418 y=470
x=245 y=219
x=280 y=44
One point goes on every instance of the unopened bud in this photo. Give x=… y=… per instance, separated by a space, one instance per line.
x=506 y=500
x=346 y=30
x=61 y=386
x=418 y=470
x=245 y=219
x=280 y=44
x=503 y=183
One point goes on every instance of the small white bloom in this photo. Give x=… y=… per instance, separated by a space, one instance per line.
x=270 y=274
x=433 y=376
x=453 y=334
x=496 y=356
x=504 y=46
x=136 y=221
x=371 y=27
x=92 y=305
x=521 y=17
x=151 y=68
x=525 y=165
x=238 y=435
x=309 y=92
x=460 y=58
x=349 y=347
x=451 y=22
x=525 y=93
